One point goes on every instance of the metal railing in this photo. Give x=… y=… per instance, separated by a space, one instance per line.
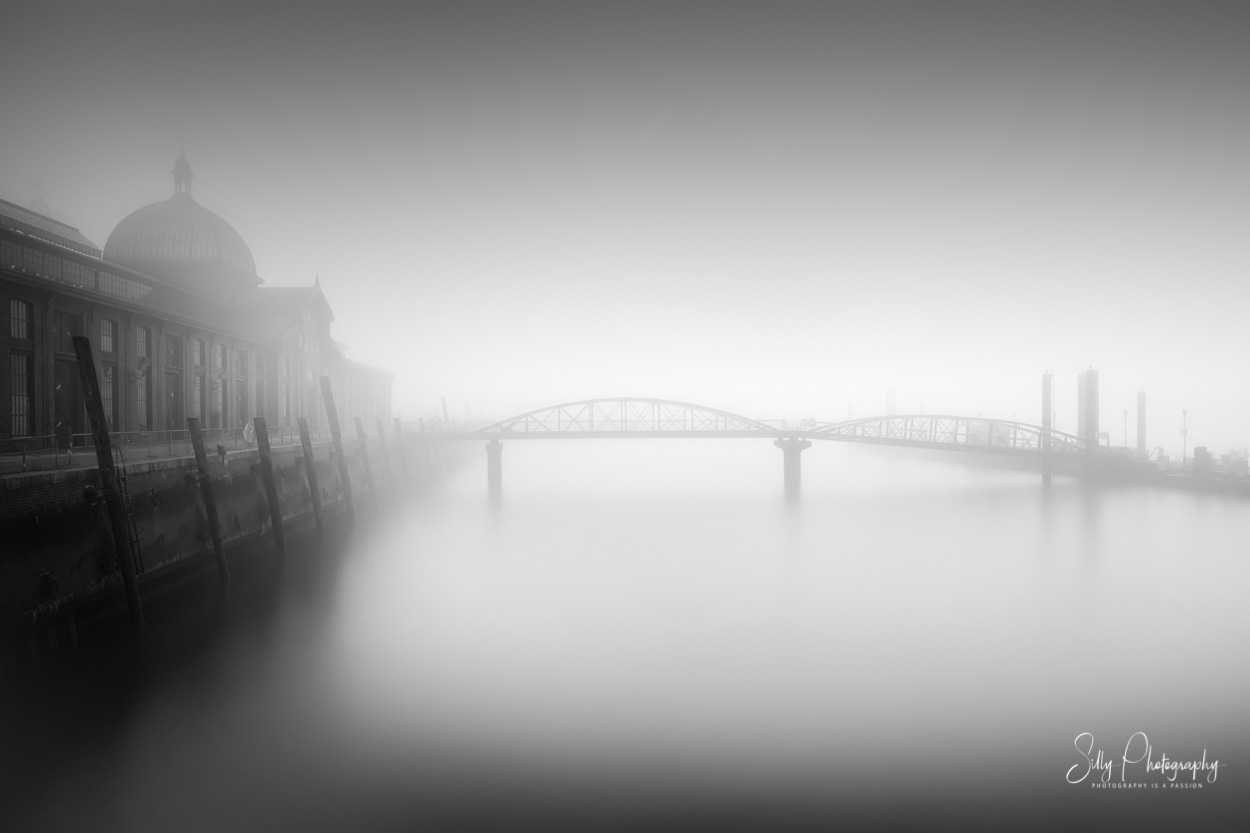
x=426 y=426
x=59 y=451
x=19 y=453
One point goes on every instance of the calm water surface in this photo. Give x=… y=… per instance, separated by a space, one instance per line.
x=649 y=624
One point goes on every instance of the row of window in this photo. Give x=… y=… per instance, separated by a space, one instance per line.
x=204 y=393
x=111 y=284
x=22 y=391
x=19 y=320
x=69 y=324
x=218 y=403
x=22 y=395
x=51 y=267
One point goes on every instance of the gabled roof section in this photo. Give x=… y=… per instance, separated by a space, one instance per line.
x=276 y=299
x=35 y=225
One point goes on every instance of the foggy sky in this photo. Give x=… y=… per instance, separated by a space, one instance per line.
x=775 y=209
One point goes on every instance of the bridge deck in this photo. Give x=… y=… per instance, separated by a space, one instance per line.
x=509 y=436
x=631 y=418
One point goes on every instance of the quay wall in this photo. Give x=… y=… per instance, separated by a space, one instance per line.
x=57 y=557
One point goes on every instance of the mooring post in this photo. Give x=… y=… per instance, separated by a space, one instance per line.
x=428 y=456
x=792 y=472
x=402 y=454
x=332 y=416
x=271 y=488
x=123 y=543
x=310 y=476
x=494 y=469
x=364 y=456
x=386 y=458
x=210 y=500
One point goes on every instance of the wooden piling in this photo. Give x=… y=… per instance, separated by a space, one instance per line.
x=425 y=449
x=364 y=457
x=345 y=480
x=271 y=489
x=310 y=476
x=386 y=458
x=402 y=454
x=123 y=543
x=210 y=500
x=494 y=469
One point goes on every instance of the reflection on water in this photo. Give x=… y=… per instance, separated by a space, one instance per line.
x=652 y=621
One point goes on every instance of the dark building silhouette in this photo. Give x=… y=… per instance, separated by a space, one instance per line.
x=1087 y=406
x=180 y=325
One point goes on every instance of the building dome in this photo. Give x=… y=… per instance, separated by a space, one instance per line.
x=179 y=237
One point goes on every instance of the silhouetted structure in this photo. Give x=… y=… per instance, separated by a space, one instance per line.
x=1087 y=406
x=1048 y=404
x=630 y=418
x=180 y=323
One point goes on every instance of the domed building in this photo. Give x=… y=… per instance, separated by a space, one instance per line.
x=184 y=242
x=180 y=324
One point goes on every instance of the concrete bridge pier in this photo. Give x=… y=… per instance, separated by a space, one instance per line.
x=494 y=468
x=1048 y=410
x=791 y=448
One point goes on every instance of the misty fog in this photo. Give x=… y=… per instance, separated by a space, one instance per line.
x=785 y=211
x=780 y=212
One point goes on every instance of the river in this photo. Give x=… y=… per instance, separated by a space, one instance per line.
x=647 y=632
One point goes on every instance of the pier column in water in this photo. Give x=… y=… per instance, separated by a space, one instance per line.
x=1048 y=410
x=791 y=466
x=494 y=468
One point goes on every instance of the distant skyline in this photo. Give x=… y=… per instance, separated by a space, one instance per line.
x=774 y=209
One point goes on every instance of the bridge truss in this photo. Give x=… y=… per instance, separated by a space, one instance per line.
x=626 y=418
x=951 y=432
x=663 y=418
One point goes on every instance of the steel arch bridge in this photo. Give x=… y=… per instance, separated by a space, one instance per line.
x=956 y=433
x=633 y=418
x=626 y=418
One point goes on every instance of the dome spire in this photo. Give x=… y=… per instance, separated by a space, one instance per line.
x=182 y=173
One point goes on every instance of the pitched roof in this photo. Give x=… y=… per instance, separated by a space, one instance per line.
x=45 y=228
x=281 y=298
